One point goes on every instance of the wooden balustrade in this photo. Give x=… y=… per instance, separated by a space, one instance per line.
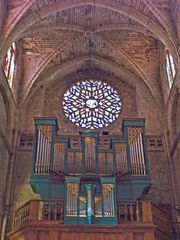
x=162 y=218
x=52 y=210
x=21 y=215
x=127 y=212
x=144 y=211
x=39 y=210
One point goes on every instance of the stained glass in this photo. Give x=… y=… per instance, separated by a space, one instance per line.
x=9 y=64
x=92 y=104
x=170 y=68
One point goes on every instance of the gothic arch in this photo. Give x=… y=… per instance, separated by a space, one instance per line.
x=107 y=65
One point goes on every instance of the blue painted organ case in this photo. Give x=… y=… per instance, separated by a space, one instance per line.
x=90 y=178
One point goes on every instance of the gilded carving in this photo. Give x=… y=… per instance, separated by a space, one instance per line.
x=46 y=131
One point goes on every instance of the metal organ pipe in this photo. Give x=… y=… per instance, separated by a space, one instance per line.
x=121 y=161
x=126 y=162
x=49 y=152
x=54 y=159
x=112 y=201
x=72 y=201
x=137 y=156
x=140 y=156
x=112 y=194
x=110 y=204
x=43 y=156
x=42 y=153
x=46 y=154
x=40 y=149
x=37 y=153
x=68 y=202
x=132 y=157
x=142 y=151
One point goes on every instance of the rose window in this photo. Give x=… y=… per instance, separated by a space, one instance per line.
x=92 y=104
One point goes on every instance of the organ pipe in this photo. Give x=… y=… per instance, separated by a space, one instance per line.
x=42 y=153
x=137 y=156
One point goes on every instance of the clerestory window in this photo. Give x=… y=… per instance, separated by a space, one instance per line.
x=10 y=63
x=170 y=68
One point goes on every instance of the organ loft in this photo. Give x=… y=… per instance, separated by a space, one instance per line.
x=89 y=120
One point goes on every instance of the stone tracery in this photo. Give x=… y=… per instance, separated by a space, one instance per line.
x=92 y=104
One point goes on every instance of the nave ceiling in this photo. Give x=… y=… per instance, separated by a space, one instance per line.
x=57 y=35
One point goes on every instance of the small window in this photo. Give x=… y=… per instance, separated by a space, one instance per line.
x=9 y=64
x=170 y=68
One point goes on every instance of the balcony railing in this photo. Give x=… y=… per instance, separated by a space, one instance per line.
x=162 y=219
x=39 y=210
x=127 y=212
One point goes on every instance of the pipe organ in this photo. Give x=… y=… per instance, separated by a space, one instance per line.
x=90 y=178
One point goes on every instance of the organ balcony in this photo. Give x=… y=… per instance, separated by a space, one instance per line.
x=44 y=220
x=90 y=186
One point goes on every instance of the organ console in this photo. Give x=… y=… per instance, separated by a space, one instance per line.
x=90 y=178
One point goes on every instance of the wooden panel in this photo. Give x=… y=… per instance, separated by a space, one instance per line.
x=138 y=236
x=54 y=235
x=147 y=211
x=94 y=236
x=128 y=236
x=43 y=235
x=47 y=231
x=149 y=236
x=29 y=235
x=33 y=210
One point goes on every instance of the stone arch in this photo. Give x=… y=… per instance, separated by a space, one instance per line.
x=120 y=71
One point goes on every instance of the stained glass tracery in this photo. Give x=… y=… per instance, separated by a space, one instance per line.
x=92 y=104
